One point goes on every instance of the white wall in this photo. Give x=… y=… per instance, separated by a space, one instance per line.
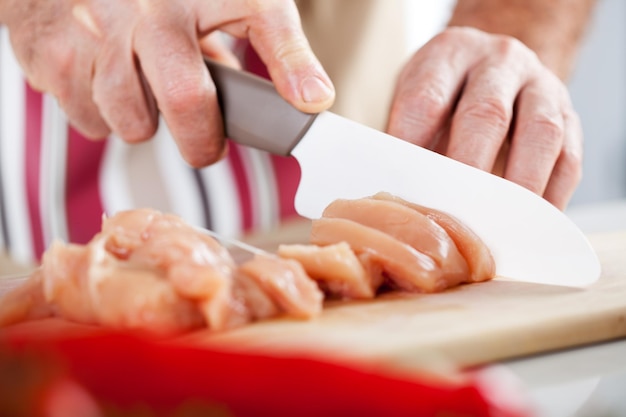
x=598 y=89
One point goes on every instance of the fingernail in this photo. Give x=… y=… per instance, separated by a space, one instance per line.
x=314 y=90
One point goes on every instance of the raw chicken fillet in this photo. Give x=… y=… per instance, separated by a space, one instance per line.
x=152 y=271
x=360 y=244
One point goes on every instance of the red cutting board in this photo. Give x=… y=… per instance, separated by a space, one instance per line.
x=468 y=325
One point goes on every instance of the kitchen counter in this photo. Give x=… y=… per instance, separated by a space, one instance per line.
x=588 y=381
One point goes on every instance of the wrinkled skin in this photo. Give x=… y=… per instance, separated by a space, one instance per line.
x=472 y=96
x=114 y=64
x=483 y=99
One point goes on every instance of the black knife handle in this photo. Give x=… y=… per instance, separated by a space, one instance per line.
x=254 y=113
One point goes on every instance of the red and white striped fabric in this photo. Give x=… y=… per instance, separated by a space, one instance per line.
x=56 y=184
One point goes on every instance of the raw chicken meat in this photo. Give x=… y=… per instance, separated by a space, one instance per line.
x=411 y=247
x=406 y=225
x=407 y=267
x=481 y=264
x=336 y=267
x=88 y=284
x=152 y=271
x=249 y=301
x=286 y=283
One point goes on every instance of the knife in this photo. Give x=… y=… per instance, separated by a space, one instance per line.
x=529 y=238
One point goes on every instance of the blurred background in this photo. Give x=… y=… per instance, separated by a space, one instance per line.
x=598 y=89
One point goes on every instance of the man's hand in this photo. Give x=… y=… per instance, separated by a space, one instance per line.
x=472 y=96
x=114 y=64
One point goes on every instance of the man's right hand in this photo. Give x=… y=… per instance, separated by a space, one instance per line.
x=115 y=64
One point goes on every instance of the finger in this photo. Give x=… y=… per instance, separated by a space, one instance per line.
x=538 y=136
x=442 y=138
x=483 y=115
x=65 y=72
x=57 y=56
x=76 y=100
x=568 y=169
x=426 y=94
x=213 y=46
x=173 y=65
x=276 y=35
x=119 y=93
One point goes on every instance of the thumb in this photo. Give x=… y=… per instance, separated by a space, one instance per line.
x=274 y=30
x=278 y=39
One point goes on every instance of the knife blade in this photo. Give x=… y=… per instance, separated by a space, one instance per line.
x=530 y=239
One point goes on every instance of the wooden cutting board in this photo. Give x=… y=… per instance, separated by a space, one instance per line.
x=469 y=325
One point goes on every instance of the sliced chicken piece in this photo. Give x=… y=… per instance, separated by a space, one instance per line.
x=130 y=298
x=195 y=270
x=476 y=253
x=286 y=283
x=373 y=269
x=66 y=270
x=89 y=285
x=143 y=270
x=196 y=265
x=152 y=271
x=250 y=301
x=406 y=267
x=407 y=225
x=335 y=266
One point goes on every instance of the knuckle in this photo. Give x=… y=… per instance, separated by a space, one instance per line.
x=446 y=35
x=548 y=129
x=53 y=72
x=64 y=95
x=514 y=50
x=492 y=110
x=185 y=96
x=127 y=115
x=257 y=7
x=138 y=130
x=530 y=182
x=290 y=50
x=508 y=45
x=425 y=104
x=63 y=59
x=59 y=78
x=85 y=117
x=504 y=43
x=571 y=163
x=454 y=32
